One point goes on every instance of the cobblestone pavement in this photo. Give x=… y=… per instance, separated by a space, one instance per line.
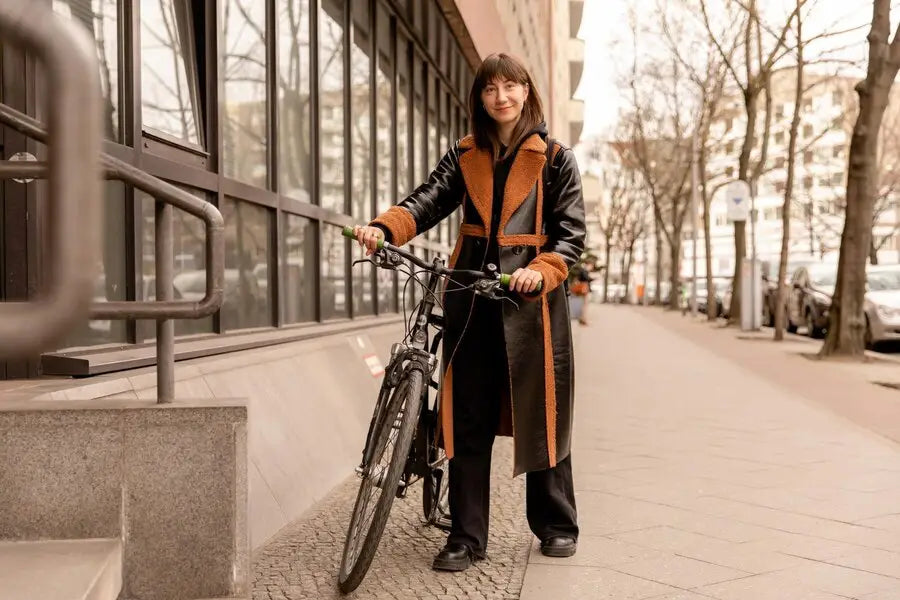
x=302 y=562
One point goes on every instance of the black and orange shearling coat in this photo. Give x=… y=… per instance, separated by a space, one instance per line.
x=544 y=234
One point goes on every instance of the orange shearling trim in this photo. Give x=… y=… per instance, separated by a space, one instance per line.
x=522 y=239
x=549 y=385
x=473 y=230
x=399 y=222
x=553 y=269
x=477 y=167
x=523 y=175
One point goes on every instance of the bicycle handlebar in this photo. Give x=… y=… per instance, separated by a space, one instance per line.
x=504 y=278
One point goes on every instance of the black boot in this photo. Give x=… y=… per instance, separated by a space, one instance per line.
x=559 y=546
x=453 y=557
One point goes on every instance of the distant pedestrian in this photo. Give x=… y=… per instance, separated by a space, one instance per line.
x=508 y=370
x=581 y=287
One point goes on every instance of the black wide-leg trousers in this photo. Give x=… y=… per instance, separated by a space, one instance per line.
x=480 y=384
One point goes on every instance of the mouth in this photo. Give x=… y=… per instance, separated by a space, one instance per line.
x=503 y=108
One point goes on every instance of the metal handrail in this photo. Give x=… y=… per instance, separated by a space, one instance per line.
x=76 y=263
x=75 y=109
x=116 y=169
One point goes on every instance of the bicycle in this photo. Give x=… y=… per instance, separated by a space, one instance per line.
x=401 y=446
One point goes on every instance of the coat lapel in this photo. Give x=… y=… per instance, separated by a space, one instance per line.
x=524 y=173
x=478 y=173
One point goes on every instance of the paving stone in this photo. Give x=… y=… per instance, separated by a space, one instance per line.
x=302 y=560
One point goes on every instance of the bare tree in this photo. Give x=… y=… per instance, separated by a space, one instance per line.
x=789 y=186
x=847 y=324
x=754 y=83
x=612 y=213
x=632 y=229
x=709 y=78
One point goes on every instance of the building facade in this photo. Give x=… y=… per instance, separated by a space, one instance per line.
x=295 y=118
x=826 y=125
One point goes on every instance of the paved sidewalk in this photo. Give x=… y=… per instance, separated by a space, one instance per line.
x=302 y=561
x=706 y=467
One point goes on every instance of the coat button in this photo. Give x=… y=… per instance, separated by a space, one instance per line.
x=518 y=249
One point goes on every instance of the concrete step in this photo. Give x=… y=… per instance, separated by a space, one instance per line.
x=61 y=570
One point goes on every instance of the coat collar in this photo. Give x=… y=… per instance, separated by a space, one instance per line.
x=478 y=173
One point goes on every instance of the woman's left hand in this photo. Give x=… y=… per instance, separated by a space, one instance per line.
x=525 y=281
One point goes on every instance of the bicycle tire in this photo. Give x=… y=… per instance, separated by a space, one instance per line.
x=405 y=404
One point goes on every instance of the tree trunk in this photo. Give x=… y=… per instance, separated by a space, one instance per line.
x=847 y=324
x=606 y=275
x=712 y=308
x=873 y=251
x=675 y=274
x=659 y=252
x=740 y=232
x=789 y=188
x=626 y=272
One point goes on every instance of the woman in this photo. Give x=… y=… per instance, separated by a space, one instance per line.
x=508 y=369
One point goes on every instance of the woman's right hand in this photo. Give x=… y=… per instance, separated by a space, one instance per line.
x=368 y=237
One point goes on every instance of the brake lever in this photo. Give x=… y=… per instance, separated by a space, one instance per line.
x=382 y=258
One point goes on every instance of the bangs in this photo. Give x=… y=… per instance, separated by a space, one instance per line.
x=502 y=67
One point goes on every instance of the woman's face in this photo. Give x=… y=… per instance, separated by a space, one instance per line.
x=504 y=99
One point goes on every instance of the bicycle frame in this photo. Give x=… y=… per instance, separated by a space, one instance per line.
x=418 y=353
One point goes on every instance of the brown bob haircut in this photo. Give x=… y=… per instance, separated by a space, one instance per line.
x=502 y=67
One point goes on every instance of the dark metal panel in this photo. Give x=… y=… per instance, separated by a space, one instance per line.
x=242 y=191
x=179 y=173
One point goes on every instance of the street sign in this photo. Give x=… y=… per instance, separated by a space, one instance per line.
x=737 y=197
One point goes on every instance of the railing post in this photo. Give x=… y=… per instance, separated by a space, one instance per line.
x=165 y=328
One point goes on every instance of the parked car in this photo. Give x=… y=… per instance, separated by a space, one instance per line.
x=882 y=304
x=812 y=287
x=770 y=289
x=719 y=286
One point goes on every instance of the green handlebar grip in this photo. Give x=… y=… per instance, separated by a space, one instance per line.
x=504 y=281
x=348 y=232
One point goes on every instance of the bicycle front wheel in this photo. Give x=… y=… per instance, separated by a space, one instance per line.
x=380 y=482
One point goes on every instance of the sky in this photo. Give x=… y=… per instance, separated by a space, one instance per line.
x=605 y=31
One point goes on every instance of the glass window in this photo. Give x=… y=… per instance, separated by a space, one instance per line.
x=360 y=116
x=293 y=99
x=110 y=282
x=363 y=293
x=387 y=296
x=169 y=87
x=334 y=273
x=404 y=152
x=248 y=297
x=419 y=158
x=361 y=154
x=331 y=99
x=298 y=238
x=100 y=18
x=384 y=139
x=189 y=236
x=244 y=102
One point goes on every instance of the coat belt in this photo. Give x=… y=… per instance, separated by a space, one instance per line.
x=514 y=239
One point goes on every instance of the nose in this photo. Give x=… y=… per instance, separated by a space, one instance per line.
x=501 y=97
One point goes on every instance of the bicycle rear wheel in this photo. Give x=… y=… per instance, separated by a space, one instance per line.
x=379 y=484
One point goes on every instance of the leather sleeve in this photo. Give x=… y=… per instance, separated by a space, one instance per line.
x=564 y=220
x=429 y=204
